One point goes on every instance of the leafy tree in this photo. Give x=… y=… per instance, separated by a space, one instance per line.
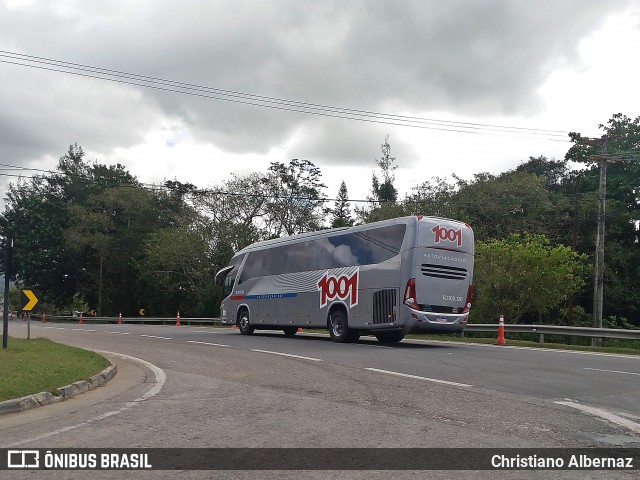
x=384 y=194
x=555 y=172
x=35 y=217
x=385 y=191
x=341 y=213
x=524 y=277
x=295 y=198
x=433 y=197
x=177 y=269
x=514 y=202
x=110 y=229
x=622 y=250
x=240 y=202
x=79 y=232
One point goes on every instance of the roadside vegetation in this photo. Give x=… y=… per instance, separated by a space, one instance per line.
x=39 y=365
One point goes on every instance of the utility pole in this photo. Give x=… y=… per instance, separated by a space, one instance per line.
x=604 y=160
x=7 y=274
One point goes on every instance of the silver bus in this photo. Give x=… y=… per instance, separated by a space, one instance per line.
x=387 y=279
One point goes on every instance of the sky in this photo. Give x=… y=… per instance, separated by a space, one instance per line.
x=487 y=84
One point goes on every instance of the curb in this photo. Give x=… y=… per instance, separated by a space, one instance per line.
x=64 y=393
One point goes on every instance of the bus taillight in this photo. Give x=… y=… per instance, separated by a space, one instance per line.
x=467 y=303
x=410 y=299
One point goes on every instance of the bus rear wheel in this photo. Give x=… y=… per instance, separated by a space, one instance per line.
x=290 y=331
x=339 y=330
x=389 y=337
x=243 y=323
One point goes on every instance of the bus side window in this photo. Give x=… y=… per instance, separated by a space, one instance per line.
x=384 y=243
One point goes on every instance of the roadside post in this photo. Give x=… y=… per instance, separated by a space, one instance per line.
x=28 y=300
x=501 y=340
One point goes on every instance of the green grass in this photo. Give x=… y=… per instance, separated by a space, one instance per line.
x=40 y=365
x=525 y=343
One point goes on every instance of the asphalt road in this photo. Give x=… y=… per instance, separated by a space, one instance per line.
x=211 y=387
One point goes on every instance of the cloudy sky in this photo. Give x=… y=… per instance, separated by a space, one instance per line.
x=487 y=84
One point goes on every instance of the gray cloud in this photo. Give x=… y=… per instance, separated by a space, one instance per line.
x=464 y=57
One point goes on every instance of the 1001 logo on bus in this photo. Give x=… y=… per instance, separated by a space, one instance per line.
x=341 y=287
x=449 y=234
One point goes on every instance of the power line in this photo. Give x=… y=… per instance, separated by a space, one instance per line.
x=213 y=93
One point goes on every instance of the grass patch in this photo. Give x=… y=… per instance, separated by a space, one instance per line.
x=525 y=343
x=40 y=365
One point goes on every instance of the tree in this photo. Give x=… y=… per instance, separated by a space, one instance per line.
x=433 y=197
x=514 y=202
x=524 y=277
x=341 y=213
x=385 y=191
x=617 y=153
x=110 y=230
x=79 y=232
x=35 y=217
x=295 y=198
x=178 y=272
x=384 y=195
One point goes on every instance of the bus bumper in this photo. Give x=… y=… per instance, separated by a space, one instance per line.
x=423 y=322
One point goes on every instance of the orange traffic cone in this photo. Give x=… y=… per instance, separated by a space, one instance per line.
x=81 y=320
x=24 y=317
x=299 y=329
x=178 y=319
x=120 y=319
x=44 y=320
x=234 y=326
x=501 y=340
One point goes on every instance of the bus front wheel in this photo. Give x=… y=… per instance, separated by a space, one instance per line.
x=243 y=323
x=339 y=330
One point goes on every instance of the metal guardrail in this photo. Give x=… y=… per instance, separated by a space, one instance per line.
x=541 y=330
x=126 y=320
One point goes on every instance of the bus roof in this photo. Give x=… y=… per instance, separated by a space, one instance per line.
x=333 y=231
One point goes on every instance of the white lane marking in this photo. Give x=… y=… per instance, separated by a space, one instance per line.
x=288 y=355
x=161 y=378
x=119 y=333
x=435 y=380
x=611 y=371
x=597 y=412
x=207 y=343
x=156 y=336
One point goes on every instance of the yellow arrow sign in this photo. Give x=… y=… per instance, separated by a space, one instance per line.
x=29 y=300
x=141 y=312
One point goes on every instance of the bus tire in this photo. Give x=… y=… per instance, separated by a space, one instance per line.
x=243 y=323
x=339 y=330
x=389 y=337
x=290 y=331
